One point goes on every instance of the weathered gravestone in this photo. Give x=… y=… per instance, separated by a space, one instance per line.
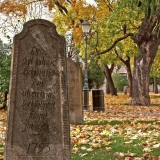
x=38 y=119
x=74 y=74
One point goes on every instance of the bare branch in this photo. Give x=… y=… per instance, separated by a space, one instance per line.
x=115 y=42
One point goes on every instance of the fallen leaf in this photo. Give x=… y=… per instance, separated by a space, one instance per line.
x=108 y=148
x=89 y=149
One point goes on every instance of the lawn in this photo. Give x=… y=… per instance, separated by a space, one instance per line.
x=122 y=132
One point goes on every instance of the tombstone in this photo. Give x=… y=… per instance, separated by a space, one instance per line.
x=38 y=125
x=125 y=89
x=98 y=100
x=74 y=74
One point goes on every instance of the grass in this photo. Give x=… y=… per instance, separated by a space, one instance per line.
x=112 y=123
x=96 y=122
x=1 y=152
x=155 y=96
x=119 y=145
x=119 y=148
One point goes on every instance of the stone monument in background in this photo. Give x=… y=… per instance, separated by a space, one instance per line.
x=38 y=125
x=74 y=74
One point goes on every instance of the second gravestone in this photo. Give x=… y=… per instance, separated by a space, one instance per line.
x=38 y=121
x=75 y=92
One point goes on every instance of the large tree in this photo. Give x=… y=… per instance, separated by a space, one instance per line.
x=147 y=39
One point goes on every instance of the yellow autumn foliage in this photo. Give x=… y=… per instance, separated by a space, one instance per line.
x=77 y=34
x=8 y=7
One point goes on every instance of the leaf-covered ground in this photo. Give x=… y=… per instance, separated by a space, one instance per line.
x=119 y=108
x=121 y=132
x=2 y=131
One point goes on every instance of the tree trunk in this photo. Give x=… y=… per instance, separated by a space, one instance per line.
x=107 y=73
x=147 y=40
x=129 y=75
x=142 y=66
x=155 y=85
x=129 y=72
x=107 y=88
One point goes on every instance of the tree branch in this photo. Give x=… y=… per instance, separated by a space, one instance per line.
x=135 y=27
x=116 y=52
x=110 y=6
x=61 y=8
x=121 y=59
x=111 y=68
x=115 y=42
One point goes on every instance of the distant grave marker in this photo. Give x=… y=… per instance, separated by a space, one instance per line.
x=38 y=121
x=74 y=75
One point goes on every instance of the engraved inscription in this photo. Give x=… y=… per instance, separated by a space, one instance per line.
x=38 y=102
x=39 y=72
x=38 y=62
x=40 y=105
x=39 y=69
x=38 y=148
x=39 y=116
x=36 y=127
x=27 y=61
x=45 y=62
x=37 y=83
x=36 y=94
x=36 y=51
